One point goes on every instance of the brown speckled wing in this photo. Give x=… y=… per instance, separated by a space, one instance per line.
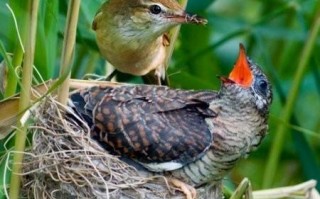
x=151 y=124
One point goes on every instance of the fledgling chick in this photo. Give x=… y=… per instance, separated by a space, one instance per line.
x=193 y=137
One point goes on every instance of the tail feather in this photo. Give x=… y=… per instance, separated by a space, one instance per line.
x=83 y=102
x=78 y=104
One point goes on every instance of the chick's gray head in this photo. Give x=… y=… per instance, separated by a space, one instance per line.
x=247 y=84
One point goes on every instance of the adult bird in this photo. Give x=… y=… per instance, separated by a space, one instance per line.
x=193 y=137
x=133 y=35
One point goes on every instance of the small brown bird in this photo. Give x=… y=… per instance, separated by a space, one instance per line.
x=132 y=34
x=195 y=137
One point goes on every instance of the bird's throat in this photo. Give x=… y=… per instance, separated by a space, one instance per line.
x=132 y=55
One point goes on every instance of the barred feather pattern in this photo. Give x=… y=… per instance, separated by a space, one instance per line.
x=236 y=131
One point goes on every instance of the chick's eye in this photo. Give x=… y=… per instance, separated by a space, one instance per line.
x=263 y=85
x=155 y=9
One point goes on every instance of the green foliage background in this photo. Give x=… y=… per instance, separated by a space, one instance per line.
x=275 y=33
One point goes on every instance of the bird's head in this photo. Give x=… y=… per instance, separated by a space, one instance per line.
x=247 y=81
x=151 y=17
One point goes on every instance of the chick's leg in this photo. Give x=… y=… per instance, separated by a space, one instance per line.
x=188 y=190
x=112 y=75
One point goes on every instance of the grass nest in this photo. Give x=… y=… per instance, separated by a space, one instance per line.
x=64 y=162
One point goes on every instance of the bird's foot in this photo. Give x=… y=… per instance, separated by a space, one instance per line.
x=112 y=75
x=188 y=190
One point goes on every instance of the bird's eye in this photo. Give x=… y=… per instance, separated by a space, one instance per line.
x=155 y=9
x=263 y=84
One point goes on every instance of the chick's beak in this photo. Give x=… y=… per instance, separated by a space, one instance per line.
x=241 y=73
x=187 y=18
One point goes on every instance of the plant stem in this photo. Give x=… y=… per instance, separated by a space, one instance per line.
x=281 y=132
x=24 y=103
x=68 y=48
x=17 y=10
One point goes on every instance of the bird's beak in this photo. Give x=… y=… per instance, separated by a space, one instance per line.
x=241 y=73
x=187 y=18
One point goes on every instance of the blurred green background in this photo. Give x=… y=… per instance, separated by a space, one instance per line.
x=277 y=35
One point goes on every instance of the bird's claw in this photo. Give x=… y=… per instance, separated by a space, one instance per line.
x=188 y=190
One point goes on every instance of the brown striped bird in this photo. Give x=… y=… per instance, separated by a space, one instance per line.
x=193 y=137
x=133 y=35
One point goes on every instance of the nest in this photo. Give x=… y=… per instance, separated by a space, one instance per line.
x=64 y=162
